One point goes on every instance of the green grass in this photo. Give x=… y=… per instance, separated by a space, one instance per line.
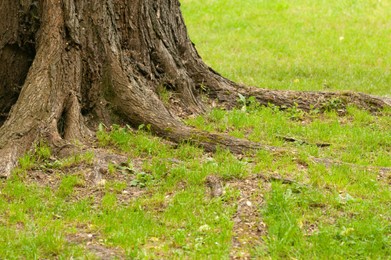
x=300 y=45
x=156 y=205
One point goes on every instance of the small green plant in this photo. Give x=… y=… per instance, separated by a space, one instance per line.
x=164 y=94
x=67 y=185
x=124 y=168
x=112 y=168
x=314 y=111
x=253 y=104
x=141 y=180
x=70 y=161
x=248 y=104
x=42 y=151
x=242 y=102
x=146 y=128
x=295 y=113
x=27 y=162
x=102 y=135
x=333 y=104
x=35 y=158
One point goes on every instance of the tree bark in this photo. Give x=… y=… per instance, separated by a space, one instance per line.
x=67 y=65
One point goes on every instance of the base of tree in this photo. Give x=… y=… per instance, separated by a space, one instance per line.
x=76 y=64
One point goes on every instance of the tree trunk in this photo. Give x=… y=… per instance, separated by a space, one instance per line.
x=67 y=65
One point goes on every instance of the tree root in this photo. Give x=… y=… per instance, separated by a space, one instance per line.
x=8 y=161
x=304 y=100
x=226 y=92
x=211 y=141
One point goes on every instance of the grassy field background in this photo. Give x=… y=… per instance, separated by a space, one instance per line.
x=300 y=45
x=326 y=196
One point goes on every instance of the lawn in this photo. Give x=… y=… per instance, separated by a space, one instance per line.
x=325 y=195
x=300 y=45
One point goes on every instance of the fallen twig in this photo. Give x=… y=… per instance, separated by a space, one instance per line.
x=294 y=140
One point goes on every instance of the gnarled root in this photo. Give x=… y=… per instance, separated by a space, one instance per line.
x=226 y=92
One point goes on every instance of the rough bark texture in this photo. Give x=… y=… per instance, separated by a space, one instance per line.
x=67 y=65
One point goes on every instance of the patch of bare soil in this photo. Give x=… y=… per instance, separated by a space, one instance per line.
x=93 y=176
x=249 y=229
x=94 y=244
x=385 y=175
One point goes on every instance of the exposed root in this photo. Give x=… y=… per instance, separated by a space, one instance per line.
x=304 y=100
x=8 y=161
x=211 y=141
x=142 y=106
x=318 y=100
x=226 y=92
